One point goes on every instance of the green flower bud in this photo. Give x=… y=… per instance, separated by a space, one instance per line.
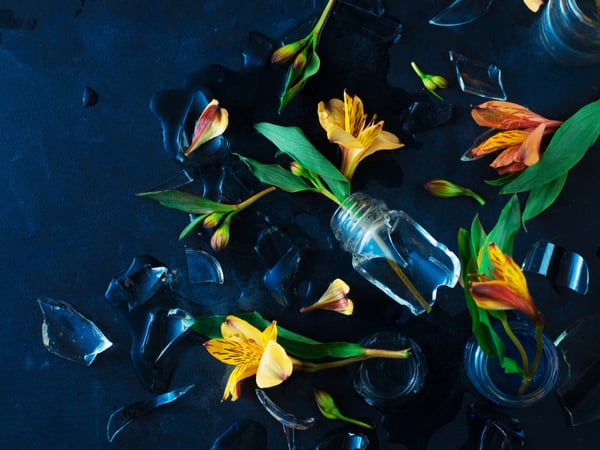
x=220 y=238
x=439 y=81
x=330 y=411
x=212 y=220
x=300 y=61
x=446 y=189
x=285 y=54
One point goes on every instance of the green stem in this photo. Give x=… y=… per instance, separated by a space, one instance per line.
x=417 y=70
x=355 y=422
x=243 y=205
x=519 y=346
x=474 y=195
x=316 y=31
x=539 y=339
x=311 y=367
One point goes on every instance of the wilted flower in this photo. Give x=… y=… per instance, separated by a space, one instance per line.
x=329 y=409
x=431 y=82
x=252 y=352
x=212 y=123
x=334 y=299
x=346 y=125
x=506 y=289
x=446 y=189
x=520 y=139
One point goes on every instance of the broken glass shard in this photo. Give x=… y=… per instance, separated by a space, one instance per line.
x=89 y=98
x=344 y=441
x=178 y=180
x=580 y=392
x=203 y=267
x=461 y=12
x=258 y=50
x=126 y=415
x=491 y=430
x=67 y=333
x=562 y=267
x=379 y=27
x=289 y=421
x=425 y=115
x=280 y=279
x=374 y=7
x=158 y=320
x=476 y=142
x=245 y=434
x=478 y=78
x=272 y=244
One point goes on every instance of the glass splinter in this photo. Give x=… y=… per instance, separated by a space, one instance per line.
x=289 y=421
x=562 y=267
x=125 y=415
x=66 y=333
x=374 y=7
x=203 y=267
x=478 y=78
x=461 y=12
x=176 y=181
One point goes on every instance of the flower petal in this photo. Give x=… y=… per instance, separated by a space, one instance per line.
x=499 y=141
x=331 y=114
x=344 y=139
x=384 y=141
x=269 y=333
x=505 y=116
x=213 y=122
x=233 y=382
x=529 y=153
x=238 y=330
x=495 y=295
x=534 y=5
x=334 y=299
x=504 y=268
x=354 y=116
x=275 y=366
x=232 y=352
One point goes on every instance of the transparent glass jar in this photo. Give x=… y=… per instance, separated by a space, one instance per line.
x=490 y=380
x=394 y=252
x=570 y=31
x=385 y=382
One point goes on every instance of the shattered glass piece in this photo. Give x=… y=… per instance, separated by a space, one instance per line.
x=478 y=78
x=203 y=267
x=144 y=278
x=344 y=441
x=374 y=7
x=461 y=12
x=89 y=98
x=70 y=335
x=380 y=28
x=180 y=179
x=258 y=50
x=580 y=392
x=425 y=115
x=280 y=279
x=246 y=434
x=158 y=321
x=289 y=421
x=126 y=415
x=491 y=430
x=562 y=267
x=272 y=244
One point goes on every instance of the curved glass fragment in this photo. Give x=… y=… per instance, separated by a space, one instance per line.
x=461 y=12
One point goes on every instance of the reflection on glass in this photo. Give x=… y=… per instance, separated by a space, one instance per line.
x=246 y=434
x=179 y=179
x=289 y=421
x=344 y=441
x=478 y=78
x=492 y=430
x=562 y=267
x=580 y=348
x=203 y=267
x=461 y=12
x=126 y=415
x=66 y=333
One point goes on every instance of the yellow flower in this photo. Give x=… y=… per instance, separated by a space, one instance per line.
x=212 y=123
x=252 y=352
x=335 y=299
x=346 y=125
x=506 y=289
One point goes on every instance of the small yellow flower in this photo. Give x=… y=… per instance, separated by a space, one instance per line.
x=346 y=125
x=212 y=123
x=252 y=352
x=506 y=289
x=335 y=299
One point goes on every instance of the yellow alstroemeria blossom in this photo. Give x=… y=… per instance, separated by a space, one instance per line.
x=252 y=352
x=507 y=289
x=346 y=125
x=335 y=299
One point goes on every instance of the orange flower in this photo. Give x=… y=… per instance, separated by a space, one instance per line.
x=335 y=299
x=212 y=123
x=346 y=124
x=506 y=289
x=520 y=139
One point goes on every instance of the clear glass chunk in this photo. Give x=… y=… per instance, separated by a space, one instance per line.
x=126 y=415
x=70 y=335
x=490 y=429
x=478 y=78
x=562 y=267
x=461 y=12
x=580 y=392
x=179 y=179
x=203 y=267
x=246 y=434
x=344 y=441
x=374 y=7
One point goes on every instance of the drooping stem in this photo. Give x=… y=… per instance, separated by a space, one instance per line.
x=310 y=366
x=255 y=197
x=316 y=31
x=475 y=196
x=539 y=340
x=519 y=346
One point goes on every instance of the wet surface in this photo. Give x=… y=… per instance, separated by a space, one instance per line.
x=70 y=222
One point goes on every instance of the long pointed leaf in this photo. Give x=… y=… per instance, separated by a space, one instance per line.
x=542 y=197
x=185 y=202
x=275 y=175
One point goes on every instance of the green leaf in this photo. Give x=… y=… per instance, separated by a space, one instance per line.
x=295 y=78
x=275 y=175
x=567 y=147
x=542 y=197
x=191 y=226
x=478 y=237
x=295 y=344
x=502 y=180
x=185 y=202
x=292 y=142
